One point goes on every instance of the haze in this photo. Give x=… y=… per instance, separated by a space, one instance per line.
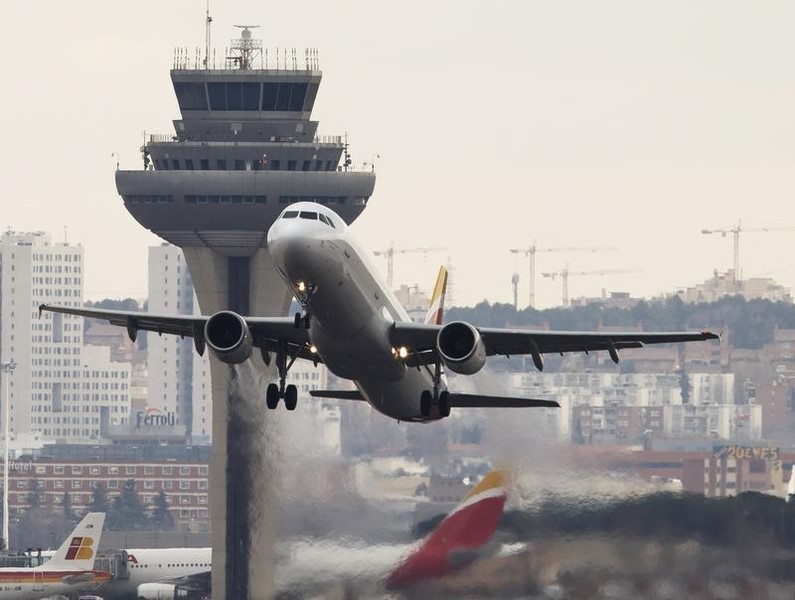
x=571 y=123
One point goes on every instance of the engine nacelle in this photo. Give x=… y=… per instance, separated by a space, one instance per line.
x=461 y=348
x=156 y=591
x=228 y=336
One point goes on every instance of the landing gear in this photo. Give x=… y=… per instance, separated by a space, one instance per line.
x=303 y=318
x=290 y=397
x=438 y=397
x=272 y=396
x=444 y=404
x=425 y=403
x=274 y=391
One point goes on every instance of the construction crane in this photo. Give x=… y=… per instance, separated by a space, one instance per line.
x=736 y=231
x=531 y=252
x=564 y=275
x=390 y=252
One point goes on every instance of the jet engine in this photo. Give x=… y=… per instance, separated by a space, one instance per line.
x=156 y=591
x=461 y=348
x=229 y=337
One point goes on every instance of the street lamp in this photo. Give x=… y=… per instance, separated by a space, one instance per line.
x=7 y=368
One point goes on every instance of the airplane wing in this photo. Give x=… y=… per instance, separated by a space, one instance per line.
x=193 y=582
x=267 y=332
x=420 y=340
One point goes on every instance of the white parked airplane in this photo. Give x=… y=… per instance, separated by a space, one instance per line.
x=69 y=570
x=157 y=573
x=352 y=322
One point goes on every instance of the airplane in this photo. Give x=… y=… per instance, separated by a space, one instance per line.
x=461 y=537
x=69 y=570
x=157 y=573
x=352 y=322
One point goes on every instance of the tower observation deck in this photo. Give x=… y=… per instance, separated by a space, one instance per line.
x=244 y=148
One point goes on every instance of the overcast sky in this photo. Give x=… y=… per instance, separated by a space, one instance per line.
x=624 y=123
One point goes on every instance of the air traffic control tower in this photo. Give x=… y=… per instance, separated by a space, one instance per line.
x=245 y=148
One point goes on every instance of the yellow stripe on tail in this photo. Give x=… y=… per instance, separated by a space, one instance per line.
x=492 y=480
x=436 y=309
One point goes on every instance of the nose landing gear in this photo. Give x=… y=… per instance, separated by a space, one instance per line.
x=302 y=293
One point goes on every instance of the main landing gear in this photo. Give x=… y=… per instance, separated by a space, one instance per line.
x=276 y=391
x=428 y=400
x=436 y=397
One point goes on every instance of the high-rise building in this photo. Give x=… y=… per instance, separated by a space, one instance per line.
x=58 y=389
x=179 y=379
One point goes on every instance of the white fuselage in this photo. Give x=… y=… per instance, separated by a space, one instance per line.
x=153 y=565
x=351 y=310
x=34 y=583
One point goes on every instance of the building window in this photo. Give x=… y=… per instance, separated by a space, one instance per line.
x=204 y=164
x=166 y=470
x=129 y=470
x=184 y=470
x=291 y=165
x=220 y=164
x=240 y=165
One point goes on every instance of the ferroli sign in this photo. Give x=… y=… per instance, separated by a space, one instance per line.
x=155 y=418
x=153 y=422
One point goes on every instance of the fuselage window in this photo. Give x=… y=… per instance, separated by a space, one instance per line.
x=290 y=214
x=308 y=215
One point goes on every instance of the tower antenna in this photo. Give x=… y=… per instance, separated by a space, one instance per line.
x=207 y=25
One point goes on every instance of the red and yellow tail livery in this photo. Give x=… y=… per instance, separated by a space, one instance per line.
x=469 y=527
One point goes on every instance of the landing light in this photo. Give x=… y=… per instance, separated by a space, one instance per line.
x=313 y=349
x=402 y=352
x=301 y=286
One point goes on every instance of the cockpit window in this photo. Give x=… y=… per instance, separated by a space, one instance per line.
x=290 y=214
x=323 y=218
x=305 y=214
x=329 y=221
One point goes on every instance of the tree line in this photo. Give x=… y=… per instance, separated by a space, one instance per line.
x=750 y=323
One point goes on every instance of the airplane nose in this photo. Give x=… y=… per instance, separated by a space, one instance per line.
x=286 y=243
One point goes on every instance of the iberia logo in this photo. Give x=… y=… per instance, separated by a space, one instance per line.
x=80 y=548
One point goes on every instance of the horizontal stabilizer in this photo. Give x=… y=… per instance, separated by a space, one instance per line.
x=337 y=394
x=479 y=401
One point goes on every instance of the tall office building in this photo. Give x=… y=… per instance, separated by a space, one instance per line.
x=179 y=379
x=58 y=389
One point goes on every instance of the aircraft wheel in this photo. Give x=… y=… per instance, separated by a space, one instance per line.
x=272 y=396
x=425 y=403
x=290 y=397
x=444 y=404
x=307 y=320
x=298 y=320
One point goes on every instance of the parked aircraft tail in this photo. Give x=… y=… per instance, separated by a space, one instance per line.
x=80 y=548
x=469 y=527
x=436 y=309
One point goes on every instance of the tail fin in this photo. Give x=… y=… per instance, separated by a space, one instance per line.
x=80 y=548
x=469 y=527
x=436 y=309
